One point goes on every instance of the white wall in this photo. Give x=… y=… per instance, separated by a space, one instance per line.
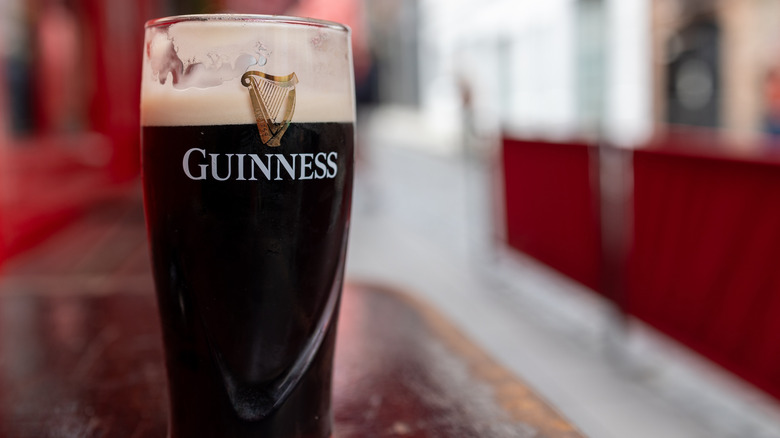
x=519 y=57
x=629 y=117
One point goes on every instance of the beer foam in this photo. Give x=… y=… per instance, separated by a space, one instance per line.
x=193 y=66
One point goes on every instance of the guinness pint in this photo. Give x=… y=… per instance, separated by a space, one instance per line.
x=247 y=169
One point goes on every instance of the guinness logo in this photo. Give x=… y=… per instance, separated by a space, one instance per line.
x=273 y=100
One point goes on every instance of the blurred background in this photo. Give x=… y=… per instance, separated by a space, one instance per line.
x=588 y=188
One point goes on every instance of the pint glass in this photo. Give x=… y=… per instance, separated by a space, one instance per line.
x=247 y=154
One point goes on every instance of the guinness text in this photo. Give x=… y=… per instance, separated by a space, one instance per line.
x=198 y=165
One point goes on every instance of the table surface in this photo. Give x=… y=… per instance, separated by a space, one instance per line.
x=80 y=351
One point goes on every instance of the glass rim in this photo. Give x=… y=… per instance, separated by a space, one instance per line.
x=247 y=18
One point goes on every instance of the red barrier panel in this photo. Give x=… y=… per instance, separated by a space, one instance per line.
x=552 y=211
x=704 y=240
x=703 y=263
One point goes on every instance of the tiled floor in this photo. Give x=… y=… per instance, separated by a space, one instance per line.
x=422 y=222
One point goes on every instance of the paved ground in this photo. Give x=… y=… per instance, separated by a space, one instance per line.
x=423 y=221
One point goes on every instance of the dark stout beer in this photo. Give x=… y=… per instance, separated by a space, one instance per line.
x=247 y=170
x=237 y=261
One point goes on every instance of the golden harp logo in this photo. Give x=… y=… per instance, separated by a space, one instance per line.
x=273 y=100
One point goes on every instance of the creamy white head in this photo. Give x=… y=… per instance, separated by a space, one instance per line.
x=193 y=66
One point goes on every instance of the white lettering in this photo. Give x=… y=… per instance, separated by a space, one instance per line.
x=186 y=165
x=294 y=166
x=318 y=161
x=306 y=165
x=214 y=172
x=290 y=168
x=265 y=168
x=240 y=176
x=332 y=164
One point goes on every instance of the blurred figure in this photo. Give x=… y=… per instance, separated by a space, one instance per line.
x=15 y=64
x=4 y=113
x=468 y=128
x=772 y=103
x=58 y=55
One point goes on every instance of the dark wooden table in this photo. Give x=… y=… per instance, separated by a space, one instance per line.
x=80 y=351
